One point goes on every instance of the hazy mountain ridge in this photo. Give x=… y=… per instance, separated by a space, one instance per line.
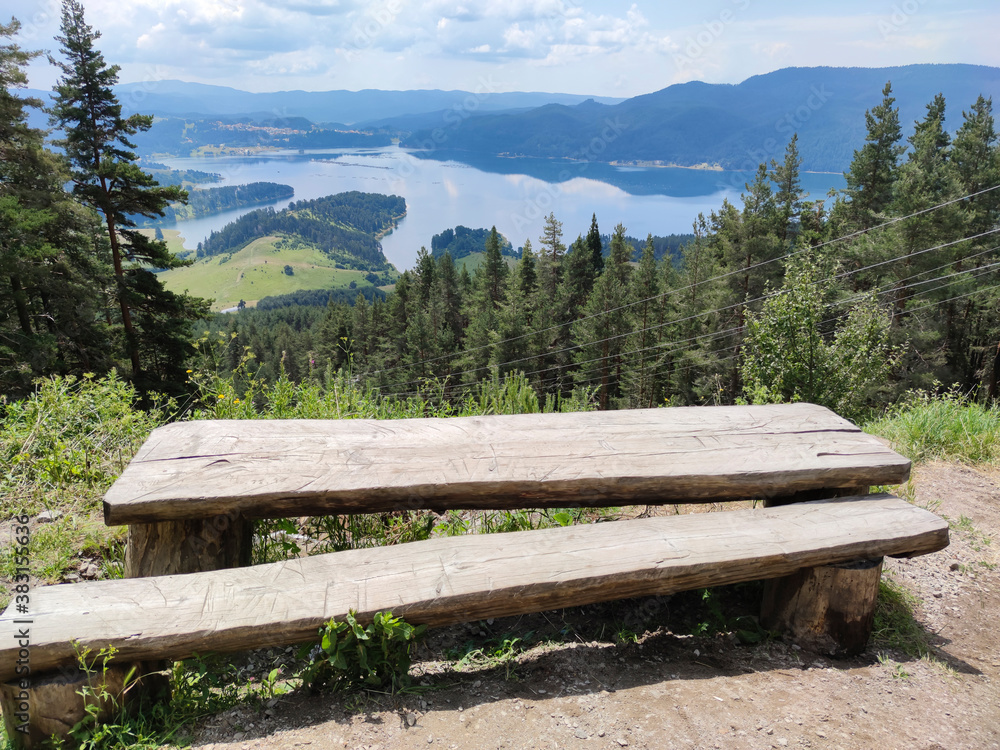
x=179 y=98
x=734 y=126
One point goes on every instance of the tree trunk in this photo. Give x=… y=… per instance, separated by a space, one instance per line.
x=994 y=376
x=131 y=341
x=21 y=303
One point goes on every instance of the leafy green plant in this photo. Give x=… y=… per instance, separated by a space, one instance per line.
x=712 y=617
x=350 y=656
x=501 y=651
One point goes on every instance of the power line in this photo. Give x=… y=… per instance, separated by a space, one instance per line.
x=666 y=348
x=698 y=283
x=695 y=316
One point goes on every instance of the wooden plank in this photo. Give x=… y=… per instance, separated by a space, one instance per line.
x=457 y=579
x=276 y=468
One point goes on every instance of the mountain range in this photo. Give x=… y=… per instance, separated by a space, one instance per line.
x=732 y=126
x=178 y=98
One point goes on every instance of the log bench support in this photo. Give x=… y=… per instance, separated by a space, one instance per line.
x=828 y=609
x=53 y=703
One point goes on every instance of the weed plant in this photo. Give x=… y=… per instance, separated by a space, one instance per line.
x=350 y=656
x=895 y=628
x=927 y=427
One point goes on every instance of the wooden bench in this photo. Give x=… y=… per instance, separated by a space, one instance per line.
x=190 y=493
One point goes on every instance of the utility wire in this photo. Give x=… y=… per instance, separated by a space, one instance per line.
x=698 y=283
x=732 y=306
x=666 y=348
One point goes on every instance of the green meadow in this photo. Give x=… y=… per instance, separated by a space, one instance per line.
x=257 y=271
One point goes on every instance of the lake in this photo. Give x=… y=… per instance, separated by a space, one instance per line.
x=444 y=190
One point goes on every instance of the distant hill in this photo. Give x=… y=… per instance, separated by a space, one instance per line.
x=207 y=201
x=346 y=227
x=179 y=98
x=462 y=241
x=733 y=126
x=182 y=136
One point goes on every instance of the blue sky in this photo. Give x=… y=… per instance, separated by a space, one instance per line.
x=601 y=47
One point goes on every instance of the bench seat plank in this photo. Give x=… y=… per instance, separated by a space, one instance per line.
x=458 y=579
x=282 y=468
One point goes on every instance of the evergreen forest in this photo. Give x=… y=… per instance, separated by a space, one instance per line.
x=849 y=301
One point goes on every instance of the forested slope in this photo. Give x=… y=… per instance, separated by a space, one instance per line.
x=345 y=226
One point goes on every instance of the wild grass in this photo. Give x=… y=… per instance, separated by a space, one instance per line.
x=895 y=627
x=946 y=427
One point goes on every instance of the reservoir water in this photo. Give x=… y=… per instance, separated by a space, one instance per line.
x=443 y=190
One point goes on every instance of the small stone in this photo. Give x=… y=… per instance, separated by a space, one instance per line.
x=581 y=734
x=622 y=741
x=48 y=516
x=781 y=742
x=955 y=566
x=600 y=732
x=411 y=720
x=938 y=594
x=430 y=739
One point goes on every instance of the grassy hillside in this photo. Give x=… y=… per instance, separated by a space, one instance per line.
x=257 y=271
x=472 y=261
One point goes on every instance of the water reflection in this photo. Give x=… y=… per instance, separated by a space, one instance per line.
x=444 y=189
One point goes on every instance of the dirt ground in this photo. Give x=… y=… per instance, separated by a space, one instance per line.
x=578 y=678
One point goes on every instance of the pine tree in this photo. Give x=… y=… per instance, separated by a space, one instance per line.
x=975 y=157
x=551 y=251
x=106 y=178
x=700 y=354
x=595 y=247
x=643 y=384
x=603 y=330
x=53 y=278
x=578 y=279
x=527 y=269
x=788 y=198
x=494 y=270
x=872 y=174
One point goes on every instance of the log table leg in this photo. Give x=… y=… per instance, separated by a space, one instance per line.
x=171 y=547
x=53 y=704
